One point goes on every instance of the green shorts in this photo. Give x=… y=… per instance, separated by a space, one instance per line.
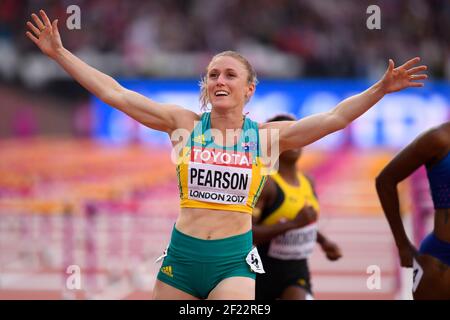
x=196 y=266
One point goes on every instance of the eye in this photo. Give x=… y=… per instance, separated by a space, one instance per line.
x=213 y=75
x=231 y=75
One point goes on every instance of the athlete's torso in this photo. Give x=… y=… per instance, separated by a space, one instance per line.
x=204 y=224
x=439 y=179
x=295 y=244
x=218 y=184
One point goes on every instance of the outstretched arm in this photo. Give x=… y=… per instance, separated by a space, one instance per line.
x=163 y=117
x=296 y=134
x=422 y=150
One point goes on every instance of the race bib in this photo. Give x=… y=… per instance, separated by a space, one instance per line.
x=417 y=274
x=219 y=176
x=295 y=244
x=254 y=261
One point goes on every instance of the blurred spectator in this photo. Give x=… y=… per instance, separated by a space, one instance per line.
x=284 y=38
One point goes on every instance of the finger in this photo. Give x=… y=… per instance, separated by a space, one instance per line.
x=38 y=21
x=391 y=65
x=55 y=27
x=408 y=64
x=33 y=28
x=415 y=84
x=417 y=69
x=418 y=77
x=45 y=18
x=32 y=38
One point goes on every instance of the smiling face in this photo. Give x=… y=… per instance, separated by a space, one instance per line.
x=229 y=82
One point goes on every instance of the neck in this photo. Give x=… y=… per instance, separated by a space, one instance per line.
x=226 y=119
x=231 y=120
x=288 y=171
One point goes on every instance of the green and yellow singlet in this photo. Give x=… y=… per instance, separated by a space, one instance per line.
x=218 y=177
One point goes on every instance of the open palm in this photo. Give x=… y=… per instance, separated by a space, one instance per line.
x=45 y=34
x=396 y=79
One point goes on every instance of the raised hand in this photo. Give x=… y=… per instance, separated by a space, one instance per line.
x=405 y=76
x=45 y=34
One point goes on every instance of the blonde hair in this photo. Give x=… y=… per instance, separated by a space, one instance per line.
x=251 y=77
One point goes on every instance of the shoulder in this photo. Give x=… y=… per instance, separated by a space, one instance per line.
x=309 y=179
x=437 y=142
x=437 y=136
x=186 y=119
x=251 y=123
x=426 y=149
x=432 y=142
x=311 y=183
x=441 y=135
x=275 y=125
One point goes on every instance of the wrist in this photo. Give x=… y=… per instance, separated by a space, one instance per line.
x=403 y=245
x=379 y=89
x=59 y=52
x=321 y=239
x=322 y=242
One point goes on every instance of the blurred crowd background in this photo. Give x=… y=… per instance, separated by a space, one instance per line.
x=176 y=38
x=284 y=38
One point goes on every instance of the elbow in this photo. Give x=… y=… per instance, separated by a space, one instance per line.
x=111 y=96
x=378 y=184
x=342 y=124
x=106 y=97
x=339 y=122
x=383 y=182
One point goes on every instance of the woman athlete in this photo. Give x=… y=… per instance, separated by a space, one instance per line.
x=285 y=231
x=210 y=253
x=431 y=272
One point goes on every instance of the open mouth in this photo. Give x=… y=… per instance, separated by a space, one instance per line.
x=221 y=93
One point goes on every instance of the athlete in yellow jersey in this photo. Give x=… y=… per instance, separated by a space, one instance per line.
x=210 y=253
x=285 y=231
